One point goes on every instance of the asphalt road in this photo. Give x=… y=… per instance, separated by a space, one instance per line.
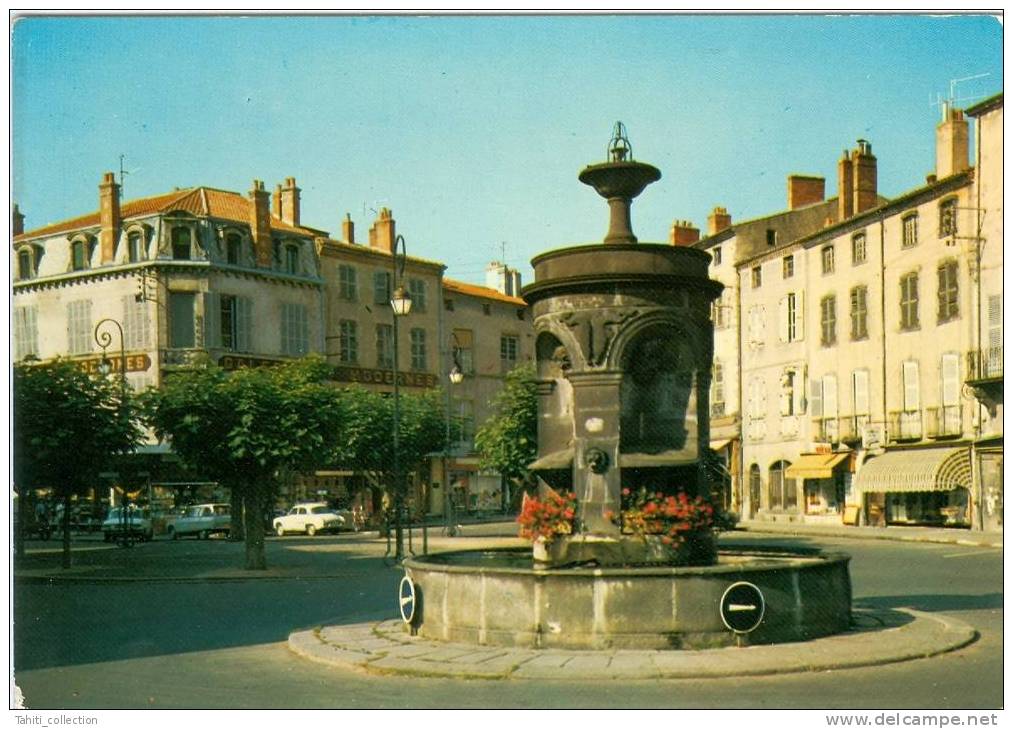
x=221 y=644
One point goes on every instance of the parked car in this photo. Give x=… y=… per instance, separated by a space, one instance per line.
x=308 y=519
x=137 y=524
x=201 y=521
x=354 y=520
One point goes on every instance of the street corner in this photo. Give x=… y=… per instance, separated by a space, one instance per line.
x=877 y=637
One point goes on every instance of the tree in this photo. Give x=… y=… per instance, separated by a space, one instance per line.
x=508 y=440
x=68 y=426
x=245 y=428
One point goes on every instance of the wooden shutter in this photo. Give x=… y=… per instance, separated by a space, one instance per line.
x=799 y=316
x=212 y=319
x=782 y=319
x=911 y=386
x=860 y=388
x=950 y=375
x=994 y=322
x=243 y=314
x=830 y=396
x=816 y=398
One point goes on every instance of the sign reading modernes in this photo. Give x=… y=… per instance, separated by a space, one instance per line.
x=135 y=363
x=360 y=375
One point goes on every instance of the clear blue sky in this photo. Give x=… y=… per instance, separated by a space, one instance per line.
x=473 y=129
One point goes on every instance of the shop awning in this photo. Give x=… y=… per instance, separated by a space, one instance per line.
x=653 y=460
x=932 y=469
x=816 y=465
x=558 y=459
x=717 y=445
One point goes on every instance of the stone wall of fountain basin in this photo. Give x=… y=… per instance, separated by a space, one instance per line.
x=498 y=598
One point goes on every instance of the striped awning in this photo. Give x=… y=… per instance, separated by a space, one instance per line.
x=930 y=469
x=816 y=465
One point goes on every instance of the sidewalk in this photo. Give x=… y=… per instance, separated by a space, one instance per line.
x=964 y=537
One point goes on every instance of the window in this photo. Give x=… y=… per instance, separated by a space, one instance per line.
x=755 y=487
x=909 y=301
x=910 y=420
x=464 y=414
x=508 y=346
x=828 y=405
x=381 y=287
x=788 y=266
x=718 y=390
x=181 y=244
x=948 y=291
x=25 y=264
x=26 y=332
x=781 y=489
x=948 y=218
x=789 y=389
x=993 y=360
x=859 y=313
x=182 y=330
x=828 y=320
x=716 y=256
x=909 y=231
x=418 y=337
x=756 y=326
x=136 y=326
x=860 y=395
x=756 y=408
x=857 y=249
x=79 y=255
x=135 y=247
x=348 y=341
x=949 y=368
x=294 y=329
x=791 y=318
x=757 y=276
x=233 y=249
x=827 y=259
x=384 y=346
x=448 y=304
x=234 y=318
x=292 y=259
x=464 y=342
x=417 y=290
x=79 y=335
x=348 y=282
x=487 y=309
x=276 y=251
x=771 y=237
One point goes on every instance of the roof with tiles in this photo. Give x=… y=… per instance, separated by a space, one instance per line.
x=199 y=201
x=460 y=287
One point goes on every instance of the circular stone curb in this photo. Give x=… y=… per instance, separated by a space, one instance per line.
x=880 y=636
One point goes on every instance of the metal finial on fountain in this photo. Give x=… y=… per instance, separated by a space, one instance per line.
x=619 y=180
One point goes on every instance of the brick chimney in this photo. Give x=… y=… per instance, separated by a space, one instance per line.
x=260 y=224
x=276 y=202
x=845 y=187
x=951 y=143
x=683 y=233
x=718 y=220
x=109 y=217
x=863 y=164
x=381 y=233
x=290 y=202
x=17 y=222
x=805 y=190
x=348 y=229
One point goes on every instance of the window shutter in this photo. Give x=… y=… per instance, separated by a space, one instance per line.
x=816 y=398
x=860 y=380
x=911 y=386
x=950 y=368
x=799 y=315
x=994 y=322
x=212 y=320
x=798 y=391
x=782 y=319
x=244 y=305
x=830 y=396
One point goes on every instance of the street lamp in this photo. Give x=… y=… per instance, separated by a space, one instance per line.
x=401 y=304
x=103 y=339
x=456 y=376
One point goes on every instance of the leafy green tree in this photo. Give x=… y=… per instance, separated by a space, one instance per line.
x=508 y=440
x=68 y=426
x=245 y=428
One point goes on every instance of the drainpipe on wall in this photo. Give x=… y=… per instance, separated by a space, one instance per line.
x=742 y=435
x=977 y=487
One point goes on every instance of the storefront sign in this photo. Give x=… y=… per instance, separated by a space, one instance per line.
x=235 y=362
x=135 y=363
x=383 y=377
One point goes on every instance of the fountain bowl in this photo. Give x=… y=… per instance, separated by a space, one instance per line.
x=499 y=597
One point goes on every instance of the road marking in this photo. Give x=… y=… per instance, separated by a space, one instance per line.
x=972 y=553
x=740 y=608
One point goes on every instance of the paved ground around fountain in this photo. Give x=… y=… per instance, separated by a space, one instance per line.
x=879 y=637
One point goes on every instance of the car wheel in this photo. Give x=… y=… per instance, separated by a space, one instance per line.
x=279 y=530
x=172 y=534
x=310 y=530
x=203 y=534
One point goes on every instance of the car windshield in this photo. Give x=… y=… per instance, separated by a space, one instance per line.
x=320 y=510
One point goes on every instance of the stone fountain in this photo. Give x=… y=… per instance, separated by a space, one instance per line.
x=624 y=347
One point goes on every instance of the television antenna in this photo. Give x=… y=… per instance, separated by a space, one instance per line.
x=953 y=100
x=124 y=172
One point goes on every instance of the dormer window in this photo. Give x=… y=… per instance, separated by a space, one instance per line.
x=233 y=248
x=291 y=259
x=25 y=268
x=135 y=247
x=80 y=254
x=181 y=243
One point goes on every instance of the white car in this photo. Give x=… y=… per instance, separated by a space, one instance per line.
x=137 y=524
x=202 y=521
x=308 y=519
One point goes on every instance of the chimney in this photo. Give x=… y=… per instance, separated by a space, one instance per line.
x=290 y=202
x=109 y=217
x=683 y=233
x=260 y=224
x=348 y=229
x=845 y=187
x=863 y=164
x=276 y=202
x=718 y=220
x=805 y=190
x=17 y=222
x=381 y=233
x=951 y=143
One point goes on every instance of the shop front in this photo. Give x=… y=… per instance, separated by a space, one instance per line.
x=826 y=481
x=918 y=487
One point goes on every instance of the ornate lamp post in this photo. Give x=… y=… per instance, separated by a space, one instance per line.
x=456 y=376
x=401 y=304
x=103 y=339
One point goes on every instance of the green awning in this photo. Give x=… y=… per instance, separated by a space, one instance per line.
x=928 y=469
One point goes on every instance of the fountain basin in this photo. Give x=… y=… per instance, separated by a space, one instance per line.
x=498 y=597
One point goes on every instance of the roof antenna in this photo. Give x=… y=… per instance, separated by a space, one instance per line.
x=122 y=172
x=953 y=101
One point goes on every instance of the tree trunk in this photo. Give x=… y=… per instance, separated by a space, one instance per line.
x=253 y=512
x=237 y=532
x=66 y=531
x=19 y=535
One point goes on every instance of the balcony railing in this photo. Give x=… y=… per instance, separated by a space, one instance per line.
x=905 y=425
x=944 y=422
x=983 y=364
x=852 y=426
x=826 y=430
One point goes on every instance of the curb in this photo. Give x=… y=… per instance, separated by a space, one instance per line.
x=788 y=531
x=384 y=648
x=83 y=579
